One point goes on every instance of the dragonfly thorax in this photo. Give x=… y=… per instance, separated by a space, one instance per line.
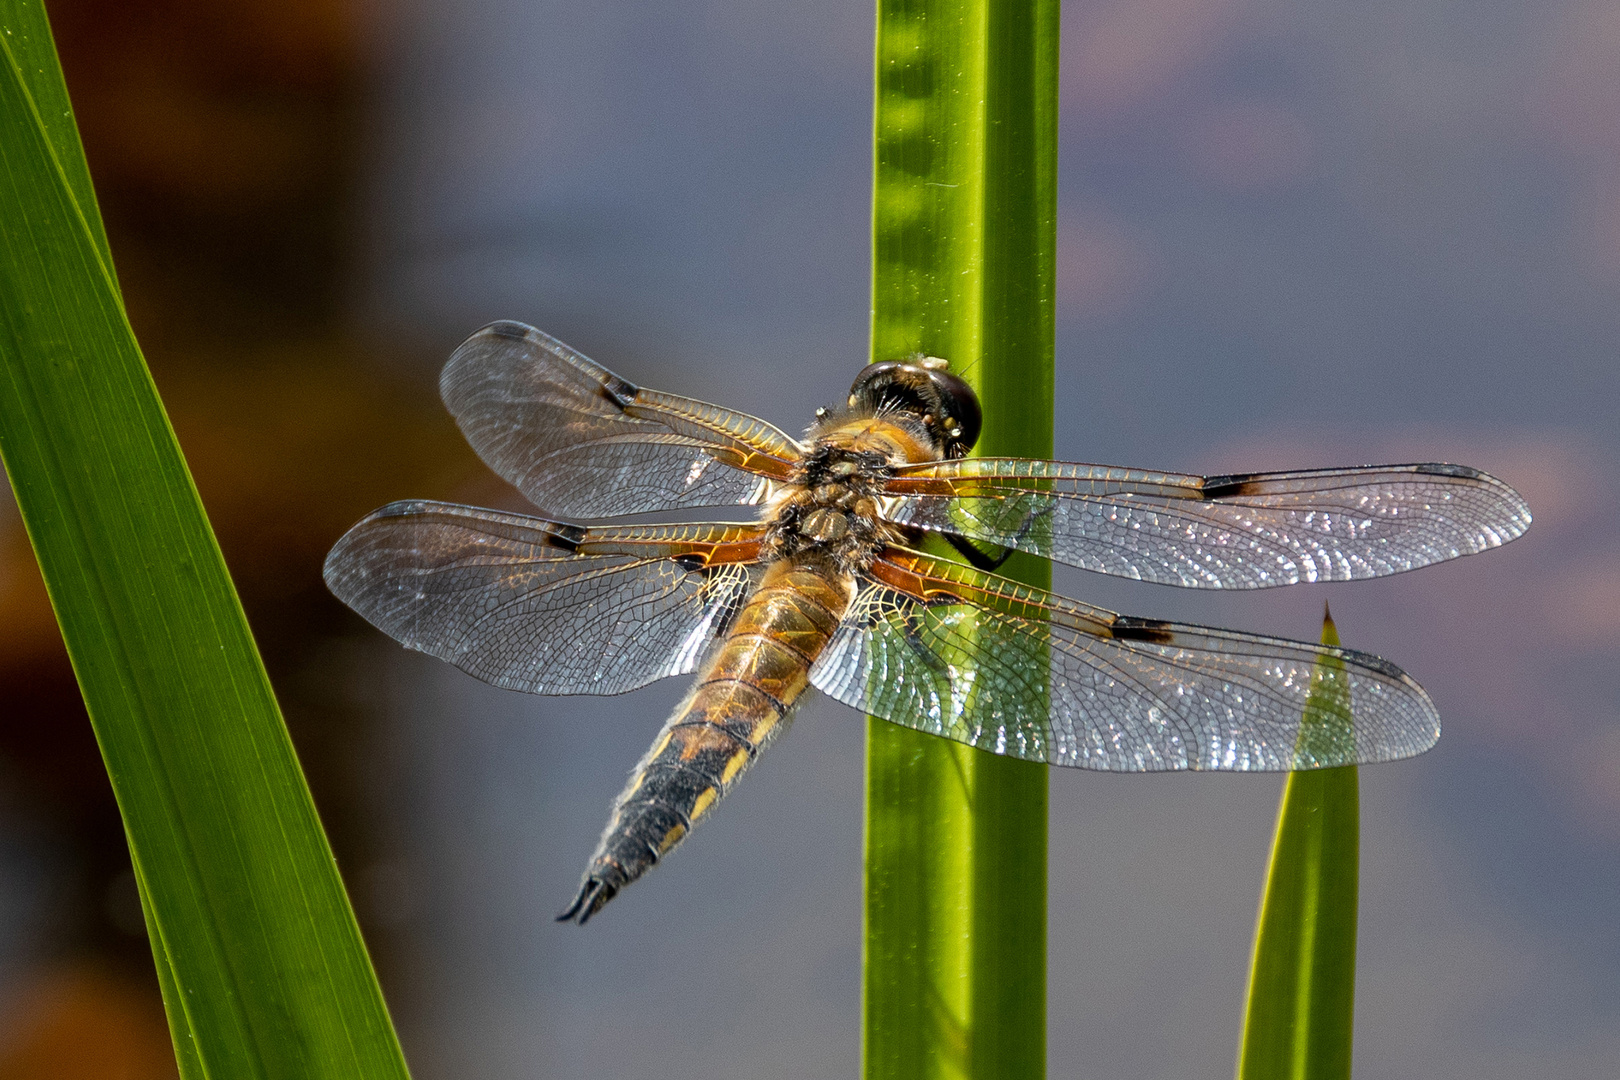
x=831 y=507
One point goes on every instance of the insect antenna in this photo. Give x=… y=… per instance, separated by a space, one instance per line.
x=963 y=374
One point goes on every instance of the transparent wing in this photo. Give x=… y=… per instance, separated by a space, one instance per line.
x=579 y=441
x=1018 y=671
x=541 y=606
x=1217 y=532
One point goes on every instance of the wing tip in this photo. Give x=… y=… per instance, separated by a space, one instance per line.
x=481 y=342
x=1514 y=516
x=1510 y=515
x=1423 y=730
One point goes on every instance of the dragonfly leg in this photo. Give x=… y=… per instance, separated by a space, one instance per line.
x=980 y=561
x=976 y=558
x=912 y=632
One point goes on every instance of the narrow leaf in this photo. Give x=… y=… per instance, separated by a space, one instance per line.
x=964 y=205
x=258 y=953
x=1302 y=986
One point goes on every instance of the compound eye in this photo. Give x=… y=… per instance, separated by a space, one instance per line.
x=872 y=377
x=892 y=385
x=959 y=406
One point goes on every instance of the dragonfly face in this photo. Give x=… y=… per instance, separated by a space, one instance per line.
x=826 y=588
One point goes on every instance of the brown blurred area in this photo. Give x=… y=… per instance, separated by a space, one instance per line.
x=224 y=143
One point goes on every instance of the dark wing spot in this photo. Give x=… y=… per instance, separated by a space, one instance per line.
x=1442 y=469
x=510 y=329
x=622 y=392
x=690 y=562
x=404 y=508
x=1230 y=487
x=1368 y=660
x=565 y=536
x=1153 y=631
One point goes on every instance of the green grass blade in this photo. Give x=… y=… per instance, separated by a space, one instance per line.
x=258 y=953
x=964 y=208
x=28 y=40
x=185 y=1041
x=1302 y=986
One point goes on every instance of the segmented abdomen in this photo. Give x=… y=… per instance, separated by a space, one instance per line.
x=743 y=699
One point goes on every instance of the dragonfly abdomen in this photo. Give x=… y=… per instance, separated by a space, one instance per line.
x=742 y=700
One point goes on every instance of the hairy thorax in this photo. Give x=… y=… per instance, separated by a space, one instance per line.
x=830 y=509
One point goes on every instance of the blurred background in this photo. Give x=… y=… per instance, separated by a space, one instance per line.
x=1290 y=235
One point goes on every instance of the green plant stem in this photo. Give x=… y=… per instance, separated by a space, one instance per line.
x=1300 y=1019
x=259 y=957
x=964 y=207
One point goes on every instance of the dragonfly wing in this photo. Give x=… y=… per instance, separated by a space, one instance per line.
x=540 y=606
x=1218 y=532
x=1019 y=671
x=579 y=441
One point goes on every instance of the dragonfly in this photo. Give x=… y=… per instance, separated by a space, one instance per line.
x=828 y=587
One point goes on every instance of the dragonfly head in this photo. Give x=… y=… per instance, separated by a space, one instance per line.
x=925 y=390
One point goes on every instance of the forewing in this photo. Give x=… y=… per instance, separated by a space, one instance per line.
x=579 y=441
x=1219 y=532
x=1019 y=671
x=540 y=606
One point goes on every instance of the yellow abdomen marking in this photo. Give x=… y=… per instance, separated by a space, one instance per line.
x=738 y=762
